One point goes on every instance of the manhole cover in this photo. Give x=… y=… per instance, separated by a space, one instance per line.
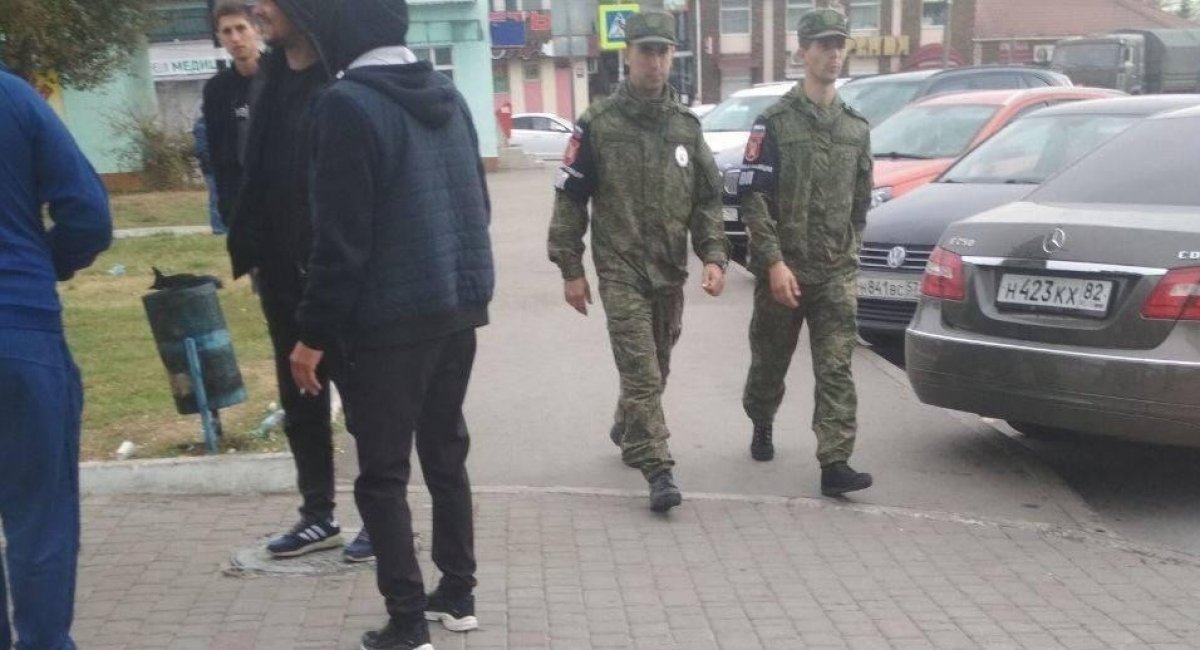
x=256 y=561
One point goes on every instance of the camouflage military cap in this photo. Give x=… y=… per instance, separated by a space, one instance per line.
x=820 y=23
x=651 y=27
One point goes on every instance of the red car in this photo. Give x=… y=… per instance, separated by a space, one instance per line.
x=919 y=142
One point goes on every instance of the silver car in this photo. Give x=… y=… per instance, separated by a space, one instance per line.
x=1079 y=307
x=543 y=135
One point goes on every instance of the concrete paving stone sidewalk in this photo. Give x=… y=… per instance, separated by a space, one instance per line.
x=577 y=571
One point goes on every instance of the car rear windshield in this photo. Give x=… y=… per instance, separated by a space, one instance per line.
x=878 y=100
x=1030 y=150
x=930 y=131
x=1155 y=162
x=737 y=113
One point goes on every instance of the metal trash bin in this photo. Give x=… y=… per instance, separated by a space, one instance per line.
x=188 y=322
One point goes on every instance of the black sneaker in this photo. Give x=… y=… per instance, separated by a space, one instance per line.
x=838 y=479
x=306 y=537
x=761 y=447
x=664 y=495
x=360 y=550
x=616 y=433
x=455 y=613
x=397 y=635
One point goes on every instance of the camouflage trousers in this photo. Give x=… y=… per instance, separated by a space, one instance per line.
x=829 y=308
x=643 y=328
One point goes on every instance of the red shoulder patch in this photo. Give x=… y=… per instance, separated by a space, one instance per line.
x=754 y=144
x=573 y=147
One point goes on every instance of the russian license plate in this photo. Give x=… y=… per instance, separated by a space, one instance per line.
x=1060 y=294
x=730 y=214
x=888 y=288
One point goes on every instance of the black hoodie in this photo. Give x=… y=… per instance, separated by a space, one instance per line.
x=399 y=199
x=270 y=228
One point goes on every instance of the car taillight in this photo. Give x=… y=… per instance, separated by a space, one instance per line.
x=944 y=276
x=1177 y=296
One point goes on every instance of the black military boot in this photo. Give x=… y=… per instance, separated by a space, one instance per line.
x=761 y=447
x=838 y=479
x=663 y=493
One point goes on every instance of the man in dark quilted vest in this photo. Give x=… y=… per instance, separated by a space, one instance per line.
x=400 y=276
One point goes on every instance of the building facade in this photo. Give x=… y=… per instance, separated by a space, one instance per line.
x=452 y=34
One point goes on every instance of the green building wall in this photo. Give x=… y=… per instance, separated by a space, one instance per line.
x=90 y=115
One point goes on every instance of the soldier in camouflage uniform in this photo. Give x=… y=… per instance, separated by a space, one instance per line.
x=806 y=187
x=641 y=160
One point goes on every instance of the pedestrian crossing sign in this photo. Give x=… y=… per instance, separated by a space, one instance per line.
x=612 y=25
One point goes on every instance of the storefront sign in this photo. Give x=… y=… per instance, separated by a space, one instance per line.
x=881 y=46
x=515 y=29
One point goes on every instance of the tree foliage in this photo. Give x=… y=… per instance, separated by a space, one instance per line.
x=83 y=41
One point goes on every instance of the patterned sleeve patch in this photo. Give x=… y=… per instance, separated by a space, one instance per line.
x=573 y=145
x=760 y=162
x=577 y=175
x=754 y=145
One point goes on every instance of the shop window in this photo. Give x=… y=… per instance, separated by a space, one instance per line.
x=735 y=16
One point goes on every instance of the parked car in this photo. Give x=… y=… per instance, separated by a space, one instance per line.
x=919 y=142
x=1078 y=308
x=727 y=128
x=878 y=97
x=1005 y=168
x=700 y=110
x=543 y=135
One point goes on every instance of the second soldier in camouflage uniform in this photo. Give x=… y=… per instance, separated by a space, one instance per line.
x=806 y=187
x=641 y=160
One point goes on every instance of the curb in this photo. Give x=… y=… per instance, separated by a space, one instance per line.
x=135 y=233
x=1085 y=518
x=209 y=475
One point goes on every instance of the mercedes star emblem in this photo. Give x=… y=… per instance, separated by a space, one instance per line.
x=1055 y=241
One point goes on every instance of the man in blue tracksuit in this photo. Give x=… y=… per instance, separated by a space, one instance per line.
x=41 y=398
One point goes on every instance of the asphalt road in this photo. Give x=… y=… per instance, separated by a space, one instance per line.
x=542 y=397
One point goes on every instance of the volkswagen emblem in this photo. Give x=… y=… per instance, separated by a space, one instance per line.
x=896 y=257
x=1055 y=241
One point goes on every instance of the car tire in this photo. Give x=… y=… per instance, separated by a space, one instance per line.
x=1038 y=431
x=883 y=339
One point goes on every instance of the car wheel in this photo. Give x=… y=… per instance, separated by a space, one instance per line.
x=883 y=340
x=1038 y=431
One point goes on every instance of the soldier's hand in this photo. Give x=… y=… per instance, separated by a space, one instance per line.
x=784 y=287
x=714 y=279
x=578 y=294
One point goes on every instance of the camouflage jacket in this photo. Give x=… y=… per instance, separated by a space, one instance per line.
x=651 y=179
x=806 y=187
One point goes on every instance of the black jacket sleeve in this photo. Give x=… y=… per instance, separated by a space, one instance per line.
x=342 y=188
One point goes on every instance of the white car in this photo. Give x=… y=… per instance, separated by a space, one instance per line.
x=544 y=135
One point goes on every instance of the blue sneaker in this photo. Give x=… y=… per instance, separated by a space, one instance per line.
x=360 y=550
x=306 y=537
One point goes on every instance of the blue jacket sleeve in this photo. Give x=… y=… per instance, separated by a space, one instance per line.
x=78 y=201
x=342 y=190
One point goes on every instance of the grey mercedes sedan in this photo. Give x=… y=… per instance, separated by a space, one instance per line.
x=1079 y=307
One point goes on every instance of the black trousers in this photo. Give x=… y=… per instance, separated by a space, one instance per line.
x=392 y=395
x=306 y=417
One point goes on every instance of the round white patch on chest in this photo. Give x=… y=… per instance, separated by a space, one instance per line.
x=681 y=156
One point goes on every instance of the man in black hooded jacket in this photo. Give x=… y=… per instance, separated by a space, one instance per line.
x=271 y=235
x=400 y=277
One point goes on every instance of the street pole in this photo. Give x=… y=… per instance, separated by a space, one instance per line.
x=946 y=34
x=698 y=49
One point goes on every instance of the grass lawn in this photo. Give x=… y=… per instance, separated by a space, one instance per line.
x=150 y=209
x=126 y=391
